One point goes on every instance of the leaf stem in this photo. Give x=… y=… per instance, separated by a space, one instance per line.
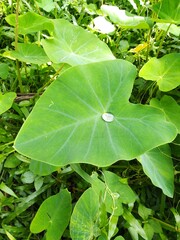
x=162 y=40
x=166 y=225
x=77 y=168
x=16 y=47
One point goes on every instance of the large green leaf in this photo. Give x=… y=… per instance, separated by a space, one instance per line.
x=53 y=215
x=73 y=45
x=30 y=23
x=165 y=71
x=30 y=53
x=6 y=101
x=157 y=165
x=124 y=18
x=168 y=10
x=85 y=117
x=170 y=107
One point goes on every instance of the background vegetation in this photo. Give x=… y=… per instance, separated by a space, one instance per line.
x=149 y=208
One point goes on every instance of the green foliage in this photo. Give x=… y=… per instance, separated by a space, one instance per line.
x=168 y=11
x=77 y=115
x=53 y=215
x=79 y=77
x=6 y=101
x=164 y=70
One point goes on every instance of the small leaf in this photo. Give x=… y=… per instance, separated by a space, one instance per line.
x=135 y=227
x=4 y=70
x=38 y=183
x=149 y=231
x=124 y=18
x=30 y=53
x=144 y=212
x=83 y=224
x=12 y=161
x=53 y=215
x=157 y=165
x=46 y=5
x=170 y=107
x=177 y=218
x=28 y=177
x=6 y=101
x=114 y=183
x=165 y=71
x=6 y=189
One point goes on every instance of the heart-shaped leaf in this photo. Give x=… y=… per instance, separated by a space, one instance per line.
x=170 y=107
x=6 y=101
x=85 y=117
x=53 y=215
x=30 y=53
x=124 y=18
x=155 y=164
x=74 y=45
x=168 y=10
x=165 y=71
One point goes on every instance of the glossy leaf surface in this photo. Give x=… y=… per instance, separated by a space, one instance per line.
x=124 y=18
x=69 y=124
x=53 y=215
x=74 y=45
x=168 y=10
x=30 y=53
x=165 y=71
x=158 y=166
x=170 y=107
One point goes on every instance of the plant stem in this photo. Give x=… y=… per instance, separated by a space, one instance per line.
x=82 y=173
x=16 y=47
x=148 y=44
x=162 y=40
x=51 y=80
x=165 y=225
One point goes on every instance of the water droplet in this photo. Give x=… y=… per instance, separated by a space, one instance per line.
x=107 y=117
